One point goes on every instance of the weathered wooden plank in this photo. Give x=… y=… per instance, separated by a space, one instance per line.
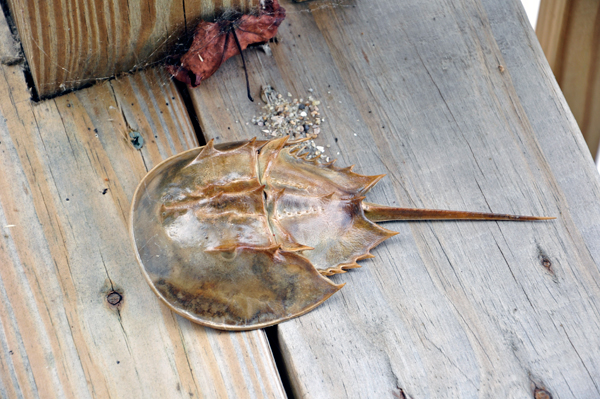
x=456 y=103
x=69 y=171
x=70 y=44
x=9 y=48
x=569 y=33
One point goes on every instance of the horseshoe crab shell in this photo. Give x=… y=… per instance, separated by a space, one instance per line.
x=240 y=236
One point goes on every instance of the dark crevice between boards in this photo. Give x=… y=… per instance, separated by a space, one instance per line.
x=273 y=339
x=35 y=96
x=191 y=110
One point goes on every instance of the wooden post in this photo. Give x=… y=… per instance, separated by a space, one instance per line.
x=70 y=44
x=569 y=32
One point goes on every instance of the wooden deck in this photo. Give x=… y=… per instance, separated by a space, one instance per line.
x=454 y=101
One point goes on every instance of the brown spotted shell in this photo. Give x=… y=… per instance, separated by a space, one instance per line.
x=240 y=235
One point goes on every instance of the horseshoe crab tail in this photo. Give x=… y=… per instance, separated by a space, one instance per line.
x=382 y=213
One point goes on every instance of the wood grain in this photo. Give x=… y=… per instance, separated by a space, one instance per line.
x=457 y=104
x=550 y=28
x=569 y=33
x=69 y=44
x=69 y=171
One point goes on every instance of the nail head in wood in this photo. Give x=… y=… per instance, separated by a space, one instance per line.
x=114 y=298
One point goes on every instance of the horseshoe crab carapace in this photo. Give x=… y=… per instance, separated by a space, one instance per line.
x=241 y=235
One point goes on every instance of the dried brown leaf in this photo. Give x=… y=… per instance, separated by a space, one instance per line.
x=215 y=42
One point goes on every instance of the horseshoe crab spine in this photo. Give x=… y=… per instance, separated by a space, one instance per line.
x=381 y=213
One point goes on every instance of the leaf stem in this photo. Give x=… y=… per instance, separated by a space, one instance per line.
x=239 y=46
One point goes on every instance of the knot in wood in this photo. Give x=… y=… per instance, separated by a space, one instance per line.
x=136 y=140
x=546 y=263
x=541 y=393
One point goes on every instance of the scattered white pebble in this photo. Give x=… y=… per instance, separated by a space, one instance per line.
x=297 y=118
